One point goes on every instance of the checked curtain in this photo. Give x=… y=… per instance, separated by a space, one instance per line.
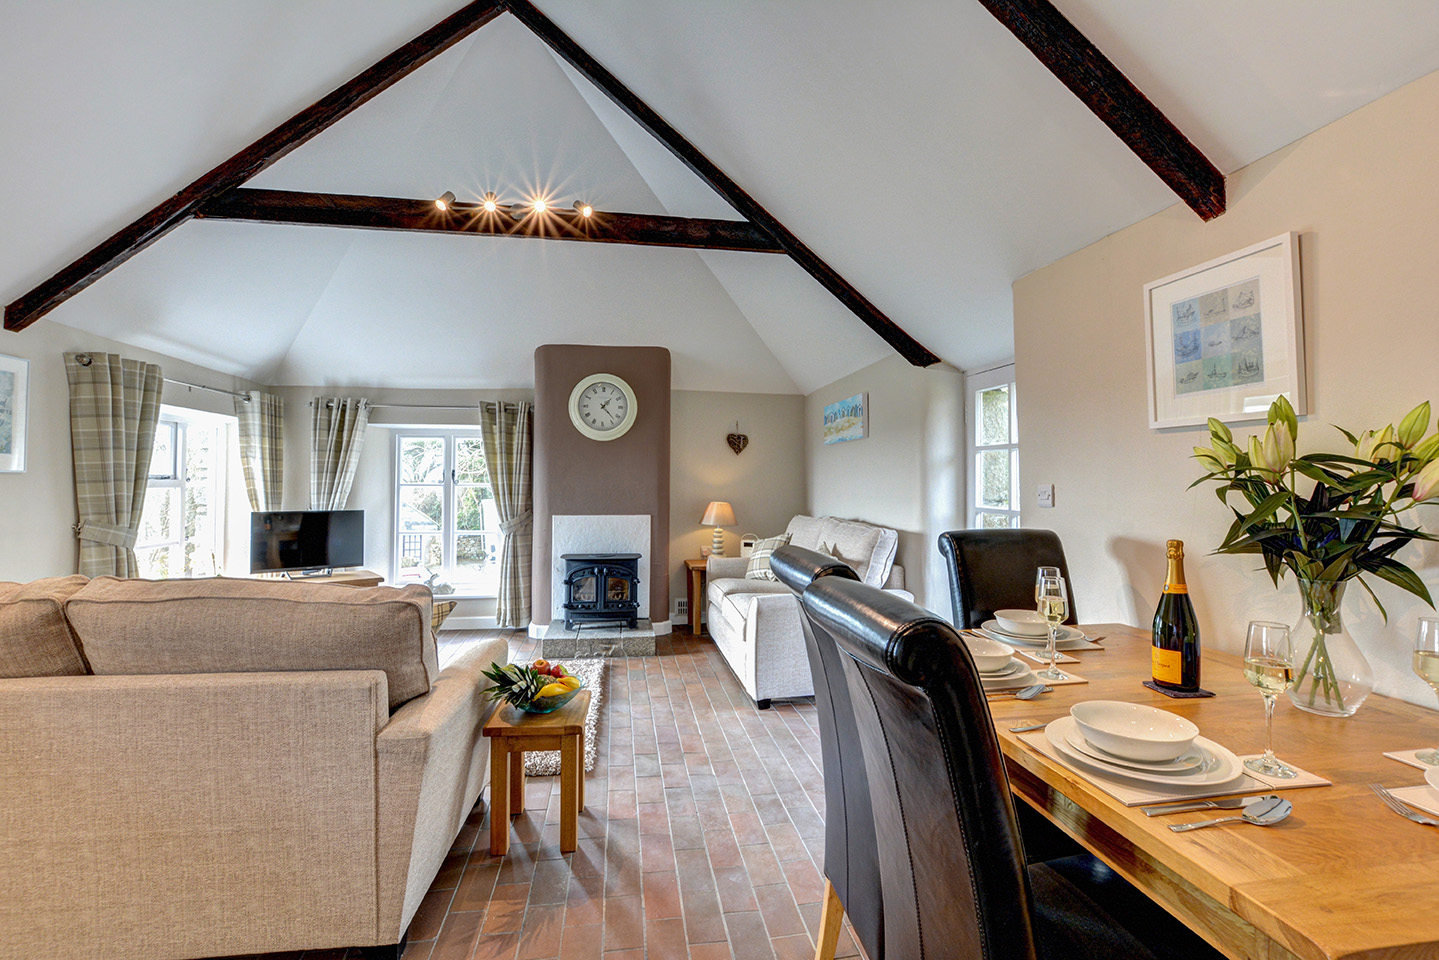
x=506 y=430
x=262 y=447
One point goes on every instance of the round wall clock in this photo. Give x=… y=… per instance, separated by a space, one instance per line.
x=603 y=406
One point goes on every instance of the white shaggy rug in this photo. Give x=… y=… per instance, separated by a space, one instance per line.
x=546 y=763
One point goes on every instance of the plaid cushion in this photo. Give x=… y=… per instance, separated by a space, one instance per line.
x=758 y=568
x=439 y=611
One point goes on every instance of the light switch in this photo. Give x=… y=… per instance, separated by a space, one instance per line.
x=1046 y=494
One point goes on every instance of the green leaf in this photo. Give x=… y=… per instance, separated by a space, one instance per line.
x=1266 y=508
x=1349 y=436
x=1398 y=574
x=1375 y=597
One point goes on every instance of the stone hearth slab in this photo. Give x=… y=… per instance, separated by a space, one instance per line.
x=607 y=641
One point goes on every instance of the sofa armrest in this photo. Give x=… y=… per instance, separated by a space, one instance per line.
x=726 y=568
x=781 y=665
x=167 y=813
x=433 y=762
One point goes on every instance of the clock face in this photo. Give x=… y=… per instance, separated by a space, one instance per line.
x=603 y=406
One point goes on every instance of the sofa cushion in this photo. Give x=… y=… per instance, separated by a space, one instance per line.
x=244 y=626
x=804 y=531
x=35 y=639
x=865 y=547
x=758 y=568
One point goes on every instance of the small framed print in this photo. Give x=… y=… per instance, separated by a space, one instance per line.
x=847 y=419
x=14 y=412
x=1226 y=337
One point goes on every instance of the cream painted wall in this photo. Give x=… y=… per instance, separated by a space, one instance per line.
x=907 y=474
x=765 y=484
x=1362 y=194
x=37 y=508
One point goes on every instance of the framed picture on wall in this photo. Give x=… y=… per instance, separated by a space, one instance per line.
x=847 y=419
x=14 y=412
x=1226 y=337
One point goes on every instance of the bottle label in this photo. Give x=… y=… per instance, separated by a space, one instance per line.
x=1165 y=666
x=1176 y=588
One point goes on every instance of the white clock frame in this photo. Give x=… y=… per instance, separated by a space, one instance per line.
x=631 y=404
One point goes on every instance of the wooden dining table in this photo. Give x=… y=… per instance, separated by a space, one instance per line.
x=1343 y=876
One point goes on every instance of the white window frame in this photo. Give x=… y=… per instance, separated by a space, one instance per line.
x=172 y=476
x=449 y=534
x=975 y=384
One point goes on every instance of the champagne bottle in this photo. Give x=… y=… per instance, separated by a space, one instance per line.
x=1175 y=651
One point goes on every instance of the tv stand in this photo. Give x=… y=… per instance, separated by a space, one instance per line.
x=310 y=574
x=344 y=578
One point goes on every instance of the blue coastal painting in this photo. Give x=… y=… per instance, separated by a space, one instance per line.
x=1218 y=339
x=8 y=403
x=847 y=419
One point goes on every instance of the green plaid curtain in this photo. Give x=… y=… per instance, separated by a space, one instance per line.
x=338 y=438
x=114 y=406
x=262 y=447
x=505 y=428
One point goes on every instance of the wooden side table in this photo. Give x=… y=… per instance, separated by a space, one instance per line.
x=512 y=732
x=696 y=569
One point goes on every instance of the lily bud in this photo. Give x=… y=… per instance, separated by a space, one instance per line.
x=1384 y=447
x=1414 y=425
x=1427 y=449
x=1208 y=459
x=1219 y=431
x=1228 y=452
x=1274 y=454
x=1256 y=454
x=1426 y=481
x=1280 y=411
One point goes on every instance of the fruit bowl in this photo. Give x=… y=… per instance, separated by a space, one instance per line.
x=550 y=704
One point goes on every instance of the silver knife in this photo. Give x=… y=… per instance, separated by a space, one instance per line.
x=1230 y=803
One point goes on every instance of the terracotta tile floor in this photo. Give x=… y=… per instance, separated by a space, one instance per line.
x=703 y=837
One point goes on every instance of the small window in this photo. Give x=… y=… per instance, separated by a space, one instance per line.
x=994 y=449
x=182 y=524
x=447 y=530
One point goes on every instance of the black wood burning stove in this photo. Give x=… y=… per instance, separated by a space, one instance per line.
x=601 y=588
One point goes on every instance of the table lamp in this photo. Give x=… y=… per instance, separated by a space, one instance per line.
x=718 y=514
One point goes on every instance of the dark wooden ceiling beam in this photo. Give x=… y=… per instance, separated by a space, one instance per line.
x=388 y=213
x=1096 y=81
x=248 y=162
x=701 y=166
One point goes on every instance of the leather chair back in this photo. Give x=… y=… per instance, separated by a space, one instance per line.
x=851 y=859
x=993 y=570
x=951 y=861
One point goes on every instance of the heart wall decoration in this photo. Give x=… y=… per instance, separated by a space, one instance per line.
x=737 y=440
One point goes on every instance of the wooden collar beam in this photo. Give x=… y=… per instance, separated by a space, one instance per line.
x=387 y=213
x=1096 y=81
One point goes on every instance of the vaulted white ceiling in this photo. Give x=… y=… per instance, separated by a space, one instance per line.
x=915 y=145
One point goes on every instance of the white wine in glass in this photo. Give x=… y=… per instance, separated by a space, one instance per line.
x=1053 y=606
x=1426 y=665
x=1039 y=576
x=1269 y=665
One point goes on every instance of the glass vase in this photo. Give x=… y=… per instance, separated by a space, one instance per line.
x=1331 y=676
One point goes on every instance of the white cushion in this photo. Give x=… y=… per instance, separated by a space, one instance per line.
x=804 y=531
x=758 y=568
x=863 y=546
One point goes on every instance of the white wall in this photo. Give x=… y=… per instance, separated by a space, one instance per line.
x=1363 y=195
x=907 y=474
x=765 y=484
x=37 y=508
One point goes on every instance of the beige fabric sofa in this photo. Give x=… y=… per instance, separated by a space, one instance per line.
x=756 y=623
x=237 y=775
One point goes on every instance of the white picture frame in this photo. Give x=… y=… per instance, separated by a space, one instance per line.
x=1225 y=338
x=14 y=412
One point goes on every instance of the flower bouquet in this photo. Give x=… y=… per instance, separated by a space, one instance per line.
x=1329 y=518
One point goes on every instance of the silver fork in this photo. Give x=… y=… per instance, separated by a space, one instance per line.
x=1399 y=807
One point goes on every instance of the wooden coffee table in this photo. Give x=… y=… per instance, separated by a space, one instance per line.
x=512 y=732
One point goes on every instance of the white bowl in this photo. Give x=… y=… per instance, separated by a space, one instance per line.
x=1133 y=731
x=1022 y=623
x=989 y=655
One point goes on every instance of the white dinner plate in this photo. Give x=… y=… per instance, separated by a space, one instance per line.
x=1069 y=638
x=1190 y=761
x=1221 y=767
x=1023 y=677
x=1008 y=670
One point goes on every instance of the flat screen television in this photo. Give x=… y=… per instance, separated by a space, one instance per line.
x=306 y=540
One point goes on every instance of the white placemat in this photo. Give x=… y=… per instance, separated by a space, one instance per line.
x=1134 y=794
x=1031 y=679
x=1038 y=656
x=1424 y=797
x=1407 y=756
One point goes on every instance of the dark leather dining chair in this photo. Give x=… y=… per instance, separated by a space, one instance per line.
x=993 y=570
x=851 y=860
x=952 y=865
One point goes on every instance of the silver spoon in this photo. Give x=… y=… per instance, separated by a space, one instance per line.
x=1265 y=813
x=1189 y=806
x=1028 y=693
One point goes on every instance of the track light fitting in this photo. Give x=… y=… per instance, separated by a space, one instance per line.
x=445 y=200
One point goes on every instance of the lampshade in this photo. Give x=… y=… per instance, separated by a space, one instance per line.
x=718 y=514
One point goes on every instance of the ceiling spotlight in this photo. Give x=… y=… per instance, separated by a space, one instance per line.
x=540 y=206
x=444 y=200
x=490 y=203
x=584 y=208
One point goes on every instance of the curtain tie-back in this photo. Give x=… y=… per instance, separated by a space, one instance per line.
x=516 y=524
x=111 y=533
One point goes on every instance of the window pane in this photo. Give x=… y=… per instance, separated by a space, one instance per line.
x=992 y=422
x=421 y=508
x=422 y=460
x=470 y=461
x=477 y=563
x=160 y=517
x=470 y=504
x=161 y=563
x=420 y=550
x=996 y=521
x=164 y=451
x=992 y=468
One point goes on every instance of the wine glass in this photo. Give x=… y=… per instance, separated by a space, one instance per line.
x=1426 y=664
x=1039 y=576
x=1053 y=605
x=1269 y=665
